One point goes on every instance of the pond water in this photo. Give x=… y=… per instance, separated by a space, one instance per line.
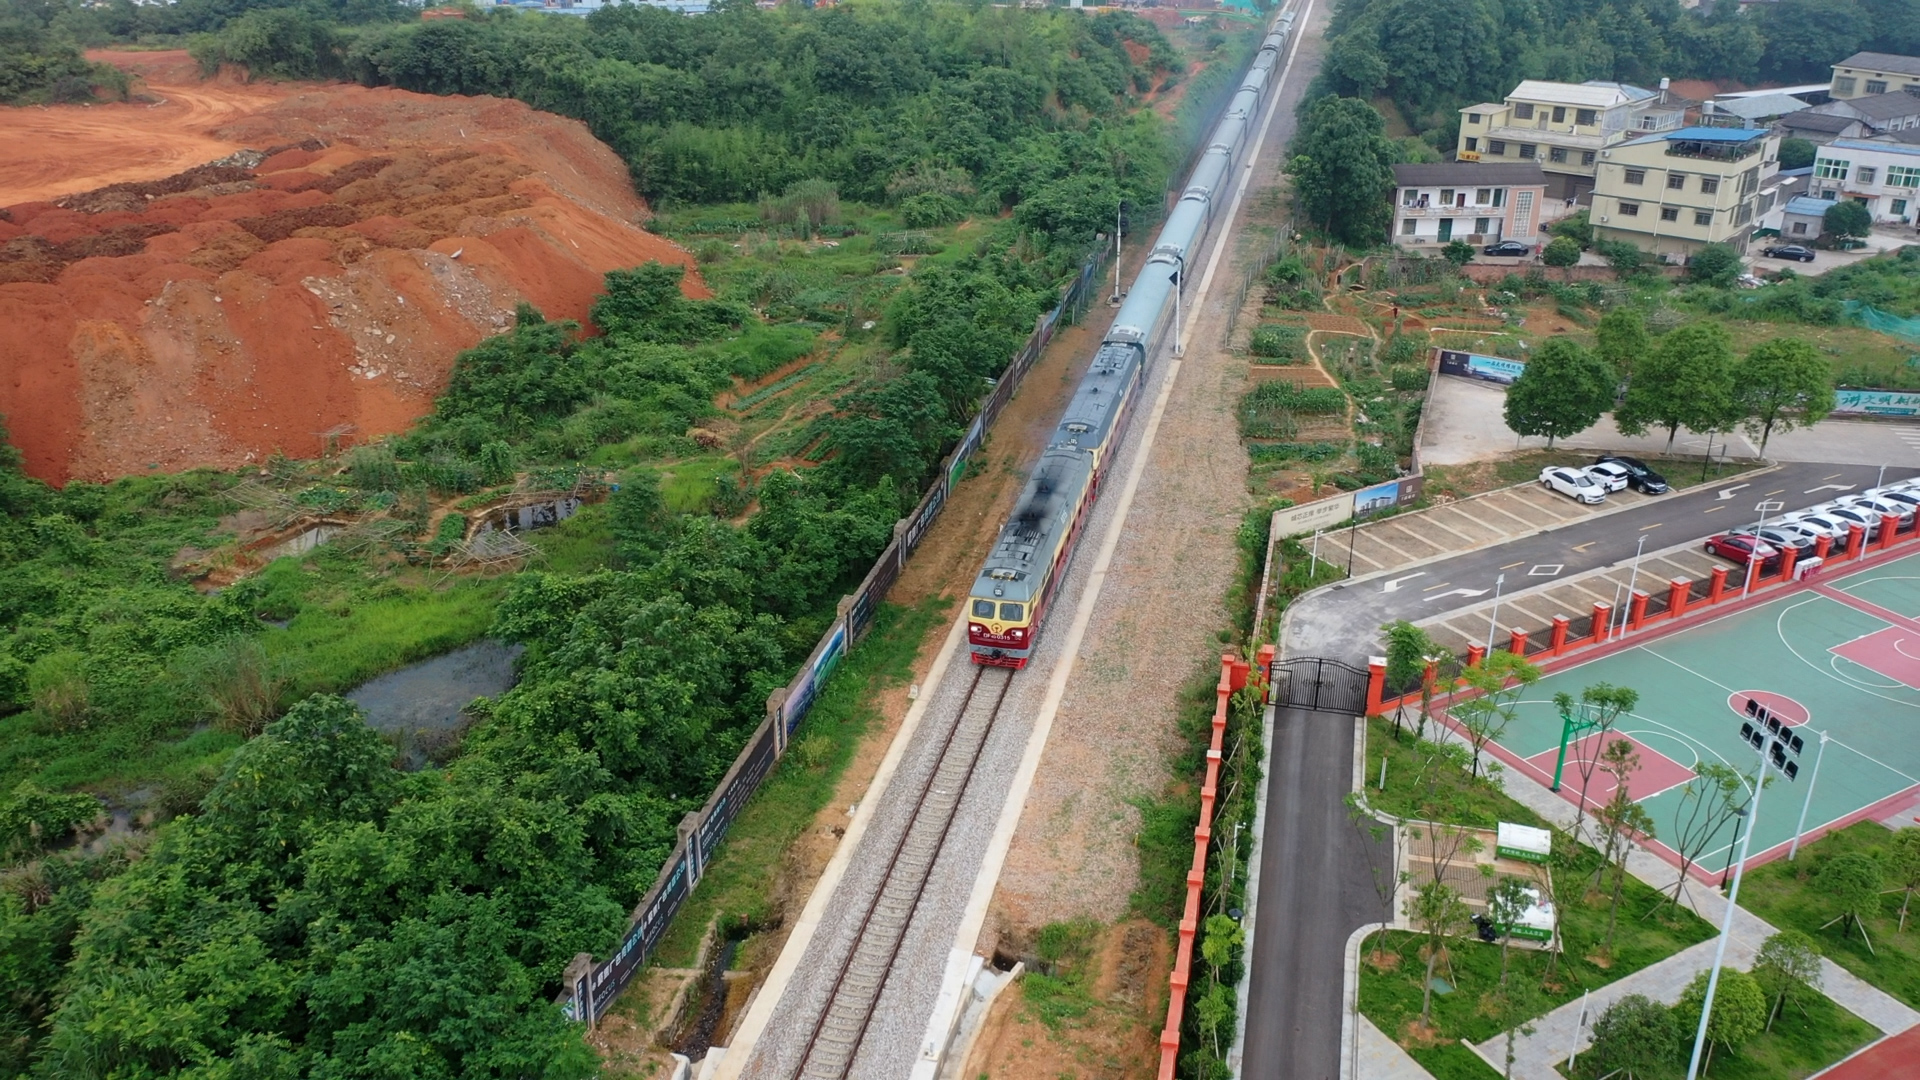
x=304 y=542
x=537 y=516
x=427 y=697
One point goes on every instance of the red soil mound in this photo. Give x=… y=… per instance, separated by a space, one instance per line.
x=216 y=315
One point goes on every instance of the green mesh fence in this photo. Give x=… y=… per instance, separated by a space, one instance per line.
x=1874 y=319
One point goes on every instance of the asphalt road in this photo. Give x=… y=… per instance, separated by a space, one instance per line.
x=1344 y=620
x=1318 y=873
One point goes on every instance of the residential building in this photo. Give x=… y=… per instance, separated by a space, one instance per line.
x=1750 y=110
x=1672 y=193
x=1895 y=111
x=1563 y=127
x=1882 y=175
x=1822 y=128
x=1804 y=218
x=1867 y=74
x=1478 y=202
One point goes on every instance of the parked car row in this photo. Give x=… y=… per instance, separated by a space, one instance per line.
x=1608 y=473
x=1802 y=529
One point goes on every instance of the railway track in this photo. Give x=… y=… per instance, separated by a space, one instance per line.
x=863 y=971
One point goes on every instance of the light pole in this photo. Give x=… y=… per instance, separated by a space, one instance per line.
x=1794 y=851
x=1753 y=556
x=1633 y=579
x=1493 y=620
x=1769 y=738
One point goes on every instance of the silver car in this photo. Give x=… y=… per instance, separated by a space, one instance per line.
x=1902 y=511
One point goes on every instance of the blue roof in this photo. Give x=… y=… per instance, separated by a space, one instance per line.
x=1808 y=205
x=1701 y=134
x=1863 y=144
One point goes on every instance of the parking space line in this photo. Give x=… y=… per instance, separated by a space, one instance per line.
x=1488 y=503
x=1596 y=596
x=1530 y=614
x=1543 y=504
x=1438 y=524
x=1362 y=556
x=1417 y=536
x=1469 y=636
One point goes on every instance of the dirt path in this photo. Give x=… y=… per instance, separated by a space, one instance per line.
x=49 y=151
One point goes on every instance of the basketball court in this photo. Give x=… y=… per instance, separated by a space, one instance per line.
x=1840 y=659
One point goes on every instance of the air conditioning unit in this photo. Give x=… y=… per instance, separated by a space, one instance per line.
x=1603 y=219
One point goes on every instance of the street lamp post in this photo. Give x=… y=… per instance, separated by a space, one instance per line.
x=1770 y=739
x=1794 y=851
x=1493 y=620
x=1753 y=556
x=1633 y=580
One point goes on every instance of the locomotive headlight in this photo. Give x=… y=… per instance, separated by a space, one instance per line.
x=976 y=628
x=1017 y=632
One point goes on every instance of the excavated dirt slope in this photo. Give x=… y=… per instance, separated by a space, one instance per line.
x=324 y=279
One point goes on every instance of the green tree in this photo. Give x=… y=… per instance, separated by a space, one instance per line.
x=1787 y=967
x=1561 y=251
x=1562 y=391
x=1710 y=801
x=1626 y=823
x=1783 y=383
x=1739 y=1011
x=1715 y=264
x=1498 y=682
x=1903 y=868
x=1687 y=382
x=1457 y=252
x=1342 y=169
x=1604 y=705
x=1576 y=226
x=1437 y=909
x=1509 y=899
x=1409 y=651
x=1622 y=340
x=1804 y=37
x=1853 y=881
x=1846 y=220
x=1797 y=153
x=1635 y=1037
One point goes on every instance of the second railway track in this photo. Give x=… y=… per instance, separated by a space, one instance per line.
x=842 y=1024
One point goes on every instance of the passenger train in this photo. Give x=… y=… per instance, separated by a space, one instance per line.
x=1029 y=560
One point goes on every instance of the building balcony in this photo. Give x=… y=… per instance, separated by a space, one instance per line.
x=1437 y=211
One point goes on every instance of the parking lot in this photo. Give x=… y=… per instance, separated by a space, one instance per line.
x=1475 y=522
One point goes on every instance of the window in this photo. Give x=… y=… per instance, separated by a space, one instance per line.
x=1636 y=176
x=1830 y=168
x=1482 y=225
x=1523 y=111
x=1709 y=185
x=1866 y=175
x=1481 y=197
x=1830 y=195
x=1799 y=228
x=1586 y=157
x=1876 y=86
x=1012 y=612
x=1741 y=214
x=1446 y=196
x=1527 y=151
x=1557 y=153
x=1585 y=117
x=1703 y=217
x=983 y=609
x=1496 y=146
x=1559 y=114
x=1676 y=180
x=1473 y=118
x=1499 y=196
x=1669 y=213
x=1843 y=85
x=1898 y=208
x=1473 y=143
x=1906 y=176
x=1408 y=226
x=1629 y=209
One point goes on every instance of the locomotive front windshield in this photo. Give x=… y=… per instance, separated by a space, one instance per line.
x=1010 y=612
x=983 y=609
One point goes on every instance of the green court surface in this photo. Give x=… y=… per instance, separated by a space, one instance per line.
x=1842 y=657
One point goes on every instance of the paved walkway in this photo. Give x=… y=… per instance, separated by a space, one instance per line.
x=1382 y=1059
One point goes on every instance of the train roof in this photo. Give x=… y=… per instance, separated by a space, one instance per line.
x=1043 y=513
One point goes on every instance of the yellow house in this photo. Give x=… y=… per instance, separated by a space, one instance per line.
x=1867 y=74
x=1563 y=127
x=1672 y=193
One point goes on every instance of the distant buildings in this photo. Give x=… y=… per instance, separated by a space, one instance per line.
x=1478 y=202
x=1869 y=74
x=1563 y=127
x=1883 y=176
x=1677 y=191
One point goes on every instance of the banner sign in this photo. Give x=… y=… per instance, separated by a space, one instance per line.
x=1475 y=366
x=1876 y=402
x=1326 y=513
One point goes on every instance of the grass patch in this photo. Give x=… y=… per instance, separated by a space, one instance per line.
x=1788 y=895
x=1433 y=791
x=1800 y=1044
x=687 y=486
x=738 y=885
x=1059 y=990
x=337 y=642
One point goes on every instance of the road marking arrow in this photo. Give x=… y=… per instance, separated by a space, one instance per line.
x=1394 y=585
x=1727 y=493
x=1582 y=548
x=1459 y=592
x=1830 y=487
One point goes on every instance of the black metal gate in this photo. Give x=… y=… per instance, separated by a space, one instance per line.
x=1319 y=684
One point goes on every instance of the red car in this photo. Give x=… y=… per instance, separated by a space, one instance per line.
x=1743 y=549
